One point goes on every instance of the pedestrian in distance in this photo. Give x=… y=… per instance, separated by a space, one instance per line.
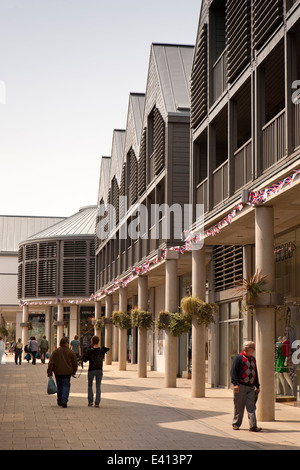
x=44 y=347
x=2 y=349
x=244 y=377
x=18 y=352
x=34 y=347
x=75 y=346
x=95 y=355
x=63 y=363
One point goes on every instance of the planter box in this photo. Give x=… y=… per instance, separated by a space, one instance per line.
x=58 y=323
x=268 y=299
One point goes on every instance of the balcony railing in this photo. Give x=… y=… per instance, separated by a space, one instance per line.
x=220 y=178
x=219 y=72
x=243 y=165
x=274 y=141
x=202 y=195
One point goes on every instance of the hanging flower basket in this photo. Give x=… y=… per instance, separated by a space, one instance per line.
x=163 y=321
x=141 y=318
x=179 y=323
x=252 y=287
x=122 y=320
x=98 y=324
x=176 y=323
x=203 y=310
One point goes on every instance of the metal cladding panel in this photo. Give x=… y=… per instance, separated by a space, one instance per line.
x=117 y=153
x=15 y=229
x=174 y=65
x=104 y=179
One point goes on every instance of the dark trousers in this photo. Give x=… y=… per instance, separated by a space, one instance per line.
x=63 y=383
x=34 y=353
x=18 y=355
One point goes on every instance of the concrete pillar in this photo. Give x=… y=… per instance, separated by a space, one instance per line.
x=142 y=333
x=25 y=311
x=73 y=321
x=171 y=305
x=115 y=341
x=122 y=332
x=97 y=331
x=108 y=328
x=198 y=331
x=48 y=322
x=265 y=330
x=60 y=327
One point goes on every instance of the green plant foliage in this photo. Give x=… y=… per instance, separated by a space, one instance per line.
x=163 y=321
x=204 y=311
x=141 y=318
x=179 y=323
x=122 y=320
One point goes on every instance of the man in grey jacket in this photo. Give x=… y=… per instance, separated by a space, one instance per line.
x=63 y=362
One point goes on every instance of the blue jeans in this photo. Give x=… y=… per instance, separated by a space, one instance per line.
x=63 y=383
x=97 y=373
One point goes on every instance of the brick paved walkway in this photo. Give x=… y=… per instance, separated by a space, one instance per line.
x=135 y=414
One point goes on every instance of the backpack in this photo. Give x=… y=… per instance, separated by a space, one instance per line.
x=96 y=359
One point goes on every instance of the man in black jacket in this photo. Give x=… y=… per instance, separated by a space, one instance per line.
x=244 y=377
x=95 y=357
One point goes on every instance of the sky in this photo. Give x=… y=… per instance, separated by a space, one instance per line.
x=67 y=68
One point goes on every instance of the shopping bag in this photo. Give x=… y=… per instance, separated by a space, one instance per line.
x=51 y=389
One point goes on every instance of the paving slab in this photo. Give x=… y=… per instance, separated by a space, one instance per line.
x=135 y=415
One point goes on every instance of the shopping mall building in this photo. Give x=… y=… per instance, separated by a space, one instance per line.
x=217 y=129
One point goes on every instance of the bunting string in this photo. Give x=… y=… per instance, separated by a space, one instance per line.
x=254 y=198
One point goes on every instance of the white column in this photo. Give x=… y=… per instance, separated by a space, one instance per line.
x=108 y=329
x=122 y=332
x=97 y=332
x=73 y=321
x=25 y=328
x=265 y=334
x=115 y=340
x=171 y=305
x=198 y=331
x=47 y=322
x=142 y=333
x=60 y=319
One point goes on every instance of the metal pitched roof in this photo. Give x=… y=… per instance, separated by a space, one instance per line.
x=104 y=179
x=79 y=224
x=174 y=65
x=14 y=229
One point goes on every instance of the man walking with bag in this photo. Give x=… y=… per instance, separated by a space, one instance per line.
x=63 y=362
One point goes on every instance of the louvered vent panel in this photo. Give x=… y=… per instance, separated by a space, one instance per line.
x=75 y=248
x=20 y=255
x=267 y=17
x=199 y=81
x=20 y=281
x=30 y=252
x=122 y=193
x=159 y=142
x=47 y=277
x=142 y=165
x=238 y=24
x=115 y=199
x=133 y=177
x=228 y=266
x=74 y=277
x=48 y=250
x=30 y=279
x=92 y=276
